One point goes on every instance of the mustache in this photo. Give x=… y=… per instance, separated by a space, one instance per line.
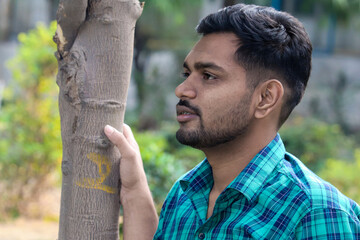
x=187 y=104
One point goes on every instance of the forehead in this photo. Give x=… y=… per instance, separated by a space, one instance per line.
x=216 y=47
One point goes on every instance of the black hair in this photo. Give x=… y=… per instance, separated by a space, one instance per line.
x=272 y=44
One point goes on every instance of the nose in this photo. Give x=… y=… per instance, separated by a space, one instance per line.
x=185 y=90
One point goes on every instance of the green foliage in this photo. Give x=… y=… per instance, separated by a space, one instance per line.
x=326 y=150
x=341 y=9
x=30 y=142
x=164 y=161
x=313 y=142
x=162 y=169
x=344 y=175
x=165 y=25
x=174 y=10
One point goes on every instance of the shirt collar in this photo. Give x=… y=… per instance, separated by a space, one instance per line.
x=248 y=182
x=198 y=178
x=256 y=173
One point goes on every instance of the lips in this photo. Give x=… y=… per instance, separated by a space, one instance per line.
x=180 y=110
x=185 y=114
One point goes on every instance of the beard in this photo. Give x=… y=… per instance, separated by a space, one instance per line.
x=228 y=126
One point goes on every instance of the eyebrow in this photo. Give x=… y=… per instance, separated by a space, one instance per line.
x=202 y=65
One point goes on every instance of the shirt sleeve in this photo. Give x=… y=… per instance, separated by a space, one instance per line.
x=164 y=214
x=328 y=224
x=158 y=234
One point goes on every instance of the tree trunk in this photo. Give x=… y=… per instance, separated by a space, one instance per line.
x=95 y=49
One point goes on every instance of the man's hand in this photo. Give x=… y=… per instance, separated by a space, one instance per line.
x=132 y=173
x=140 y=217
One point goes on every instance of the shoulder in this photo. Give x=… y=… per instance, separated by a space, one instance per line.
x=319 y=193
x=325 y=211
x=328 y=223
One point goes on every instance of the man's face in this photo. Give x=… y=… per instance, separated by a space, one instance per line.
x=214 y=98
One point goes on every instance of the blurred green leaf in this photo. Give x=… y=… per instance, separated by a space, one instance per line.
x=344 y=175
x=314 y=141
x=163 y=162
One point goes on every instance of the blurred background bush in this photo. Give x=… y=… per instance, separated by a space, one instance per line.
x=30 y=144
x=323 y=131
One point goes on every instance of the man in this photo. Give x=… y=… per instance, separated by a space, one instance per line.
x=242 y=80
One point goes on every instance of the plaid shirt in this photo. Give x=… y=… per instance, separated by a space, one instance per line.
x=274 y=197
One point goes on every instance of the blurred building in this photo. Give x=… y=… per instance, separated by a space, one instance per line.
x=333 y=93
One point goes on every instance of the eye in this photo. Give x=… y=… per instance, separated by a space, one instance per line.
x=185 y=75
x=208 y=76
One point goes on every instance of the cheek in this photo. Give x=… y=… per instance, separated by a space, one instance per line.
x=217 y=107
x=220 y=100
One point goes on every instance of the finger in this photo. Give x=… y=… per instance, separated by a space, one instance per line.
x=127 y=131
x=118 y=139
x=129 y=135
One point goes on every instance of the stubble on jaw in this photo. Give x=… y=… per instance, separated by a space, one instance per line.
x=236 y=123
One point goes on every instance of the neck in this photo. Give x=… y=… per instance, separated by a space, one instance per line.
x=229 y=159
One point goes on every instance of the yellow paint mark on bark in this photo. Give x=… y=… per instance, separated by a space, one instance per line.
x=62 y=40
x=97 y=183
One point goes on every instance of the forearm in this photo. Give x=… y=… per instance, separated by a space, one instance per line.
x=140 y=216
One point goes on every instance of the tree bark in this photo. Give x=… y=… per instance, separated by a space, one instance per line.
x=95 y=50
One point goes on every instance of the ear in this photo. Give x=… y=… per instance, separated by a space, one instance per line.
x=269 y=98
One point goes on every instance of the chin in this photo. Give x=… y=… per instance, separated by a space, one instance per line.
x=188 y=137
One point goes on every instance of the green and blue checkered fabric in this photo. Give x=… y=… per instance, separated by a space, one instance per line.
x=274 y=197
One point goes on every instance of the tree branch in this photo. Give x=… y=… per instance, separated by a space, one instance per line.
x=70 y=17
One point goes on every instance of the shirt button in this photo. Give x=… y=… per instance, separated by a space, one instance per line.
x=201 y=235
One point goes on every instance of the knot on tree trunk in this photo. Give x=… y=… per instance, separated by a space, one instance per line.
x=71 y=76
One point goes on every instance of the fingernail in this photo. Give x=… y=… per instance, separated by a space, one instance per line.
x=109 y=130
